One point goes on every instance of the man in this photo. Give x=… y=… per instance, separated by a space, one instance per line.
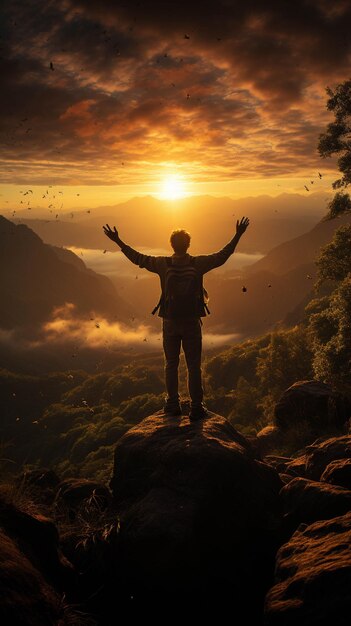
x=185 y=330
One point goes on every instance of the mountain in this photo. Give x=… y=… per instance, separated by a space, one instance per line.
x=211 y=221
x=299 y=250
x=36 y=277
x=278 y=286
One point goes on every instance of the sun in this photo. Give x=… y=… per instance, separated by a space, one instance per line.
x=172 y=188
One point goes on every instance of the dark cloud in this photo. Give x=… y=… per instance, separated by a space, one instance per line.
x=226 y=89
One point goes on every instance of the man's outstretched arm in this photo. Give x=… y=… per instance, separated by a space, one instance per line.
x=207 y=262
x=151 y=263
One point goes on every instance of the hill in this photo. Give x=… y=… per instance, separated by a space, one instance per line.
x=210 y=221
x=36 y=277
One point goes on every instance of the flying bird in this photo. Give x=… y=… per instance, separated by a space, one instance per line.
x=186 y=37
x=320 y=175
x=52 y=66
x=244 y=288
x=307 y=189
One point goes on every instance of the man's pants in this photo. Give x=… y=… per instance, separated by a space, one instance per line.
x=188 y=332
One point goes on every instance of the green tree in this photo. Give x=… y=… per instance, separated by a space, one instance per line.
x=334 y=261
x=286 y=359
x=329 y=330
x=337 y=138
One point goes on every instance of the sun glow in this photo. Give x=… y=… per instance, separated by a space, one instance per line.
x=172 y=188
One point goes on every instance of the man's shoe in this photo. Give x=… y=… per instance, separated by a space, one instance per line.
x=197 y=413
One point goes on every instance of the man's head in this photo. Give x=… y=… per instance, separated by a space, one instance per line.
x=180 y=240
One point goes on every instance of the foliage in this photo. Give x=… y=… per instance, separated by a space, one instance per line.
x=336 y=139
x=329 y=330
x=334 y=261
x=250 y=377
x=341 y=203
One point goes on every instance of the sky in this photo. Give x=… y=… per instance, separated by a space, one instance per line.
x=107 y=100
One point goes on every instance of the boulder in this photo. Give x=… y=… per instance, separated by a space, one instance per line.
x=278 y=462
x=338 y=472
x=25 y=599
x=307 y=501
x=314 y=404
x=286 y=478
x=199 y=513
x=38 y=539
x=297 y=467
x=269 y=438
x=320 y=454
x=313 y=577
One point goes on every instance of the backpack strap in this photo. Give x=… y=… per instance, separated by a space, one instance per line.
x=169 y=263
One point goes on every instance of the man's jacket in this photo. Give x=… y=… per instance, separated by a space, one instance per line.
x=157 y=264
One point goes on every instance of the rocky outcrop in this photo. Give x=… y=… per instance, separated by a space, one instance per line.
x=307 y=501
x=34 y=575
x=338 y=472
x=320 y=454
x=25 y=599
x=38 y=539
x=312 y=402
x=200 y=513
x=313 y=576
x=306 y=411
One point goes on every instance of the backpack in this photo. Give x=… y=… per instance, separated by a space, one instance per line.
x=184 y=294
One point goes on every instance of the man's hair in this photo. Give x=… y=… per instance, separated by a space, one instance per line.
x=180 y=240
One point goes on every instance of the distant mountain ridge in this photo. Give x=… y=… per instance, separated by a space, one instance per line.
x=148 y=221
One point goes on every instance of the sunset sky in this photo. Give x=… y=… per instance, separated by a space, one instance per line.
x=110 y=100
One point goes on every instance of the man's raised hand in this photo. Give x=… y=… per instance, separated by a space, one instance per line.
x=112 y=234
x=240 y=228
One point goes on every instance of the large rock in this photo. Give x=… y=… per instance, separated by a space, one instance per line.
x=308 y=501
x=314 y=404
x=38 y=539
x=338 y=472
x=320 y=454
x=313 y=577
x=26 y=599
x=200 y=514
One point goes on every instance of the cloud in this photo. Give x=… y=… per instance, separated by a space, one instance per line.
x=224 y=91
x=66 y=336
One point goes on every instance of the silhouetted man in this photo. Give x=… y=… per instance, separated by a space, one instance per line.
x=182 y=304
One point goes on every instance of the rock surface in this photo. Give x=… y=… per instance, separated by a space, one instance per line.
x=312 y=402
x=307 y=501
x=338 y=472
x=313 y=577
x=200 y=514
x=320 y=454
